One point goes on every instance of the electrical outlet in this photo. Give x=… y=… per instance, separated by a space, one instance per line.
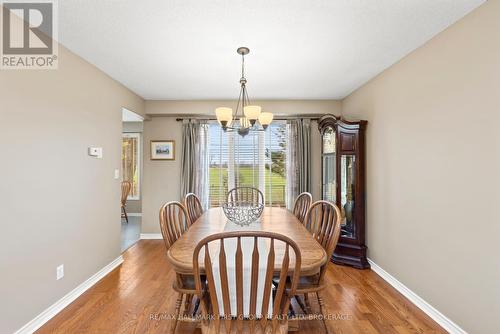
x=60 y=272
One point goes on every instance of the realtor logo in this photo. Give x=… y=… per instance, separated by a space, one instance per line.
x=28 y=29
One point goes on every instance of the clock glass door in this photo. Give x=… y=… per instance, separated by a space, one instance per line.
x=347 y=191
x=329 y=166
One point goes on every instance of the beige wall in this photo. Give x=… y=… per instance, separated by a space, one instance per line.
x=161 y=182
x=278 y=107
x=59 y=206
x=161 y=178
x=433 y=169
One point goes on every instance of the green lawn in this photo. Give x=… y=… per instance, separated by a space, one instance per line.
x=246 y=179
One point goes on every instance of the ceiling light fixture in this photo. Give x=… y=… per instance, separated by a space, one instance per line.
x=246 y=115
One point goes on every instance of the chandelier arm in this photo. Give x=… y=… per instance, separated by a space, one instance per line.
x=244 y=97
x=240 y=97
x=247 y=98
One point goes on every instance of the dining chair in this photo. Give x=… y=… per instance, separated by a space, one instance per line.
x=247 y=195
x=193 y=206
x=126 y=186
x=174 y=221
x=302 y=204
x=218 y=315
x=323 y=222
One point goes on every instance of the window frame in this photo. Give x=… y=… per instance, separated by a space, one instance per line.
x=136 y=135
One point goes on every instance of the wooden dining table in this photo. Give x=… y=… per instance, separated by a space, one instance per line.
x=273 y=219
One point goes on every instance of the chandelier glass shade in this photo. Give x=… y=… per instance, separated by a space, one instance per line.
x=224 y=116
x=247 y=117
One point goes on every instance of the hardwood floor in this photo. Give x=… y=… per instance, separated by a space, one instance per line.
x=135 y=297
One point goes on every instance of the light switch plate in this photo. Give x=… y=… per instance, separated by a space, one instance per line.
x=117 y=174
x=60 y=272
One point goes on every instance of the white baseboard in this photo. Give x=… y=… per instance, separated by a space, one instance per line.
x=427 y=308
x=58 y=306
x=151 y=236
x=134 y=214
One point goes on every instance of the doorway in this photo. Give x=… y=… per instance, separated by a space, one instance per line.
x=131 y=174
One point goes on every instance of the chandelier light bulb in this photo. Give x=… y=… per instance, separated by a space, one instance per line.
x=252 y=112
x=224 y=116
x=265 y=119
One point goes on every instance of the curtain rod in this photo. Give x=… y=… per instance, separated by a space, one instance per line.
x=282 y=118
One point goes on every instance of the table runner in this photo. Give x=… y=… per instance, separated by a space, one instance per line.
x=247 y=245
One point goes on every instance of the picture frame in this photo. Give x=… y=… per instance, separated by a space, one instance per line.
x=162 y=150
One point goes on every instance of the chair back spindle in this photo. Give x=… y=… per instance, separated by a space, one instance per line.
x=174 y=221
x=323 y=222
x=302 y=204
x=245 y=195
x=126 y=187
x=193 y=206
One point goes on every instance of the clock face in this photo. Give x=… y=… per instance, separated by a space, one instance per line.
x=329 y=141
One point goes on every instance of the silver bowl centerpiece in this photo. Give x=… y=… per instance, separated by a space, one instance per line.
x=242 y=213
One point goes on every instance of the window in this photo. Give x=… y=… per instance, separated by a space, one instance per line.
x=256 y=160
x=131 y=162
x=275 y=154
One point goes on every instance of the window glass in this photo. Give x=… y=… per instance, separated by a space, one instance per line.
x=131 y=162
x=257 y=160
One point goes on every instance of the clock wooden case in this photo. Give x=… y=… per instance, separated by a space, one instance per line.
x=343 y=183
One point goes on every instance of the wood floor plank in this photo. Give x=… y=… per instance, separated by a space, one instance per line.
x=137 y=297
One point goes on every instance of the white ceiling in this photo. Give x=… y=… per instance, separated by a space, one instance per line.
x=300 y=49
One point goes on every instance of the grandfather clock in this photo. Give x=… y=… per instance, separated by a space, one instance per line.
x=343 y=183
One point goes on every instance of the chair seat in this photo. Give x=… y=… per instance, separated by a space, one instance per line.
x=187 y=284
x=305 y=283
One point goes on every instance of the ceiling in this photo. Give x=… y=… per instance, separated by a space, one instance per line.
x=308 y=49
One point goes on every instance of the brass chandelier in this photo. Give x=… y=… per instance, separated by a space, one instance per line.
x=247 y=117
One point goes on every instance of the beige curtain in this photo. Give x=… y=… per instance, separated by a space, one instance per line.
x=194 y=159
x=298 y=159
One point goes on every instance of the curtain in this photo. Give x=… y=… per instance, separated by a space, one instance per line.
x=298 y=163
x=194 y=159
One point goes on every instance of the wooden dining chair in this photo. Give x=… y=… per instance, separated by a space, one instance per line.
x=302 y=204
x=226 y=321
x=323 y=222
x=174 y=221
x=193 y=206
x=126 y=187
x=246 y=195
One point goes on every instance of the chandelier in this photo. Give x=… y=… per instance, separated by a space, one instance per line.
x=247 y=117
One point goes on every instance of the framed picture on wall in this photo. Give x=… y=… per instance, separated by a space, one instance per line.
x=162 y=150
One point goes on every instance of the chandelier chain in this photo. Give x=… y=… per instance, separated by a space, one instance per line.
x=242 y=66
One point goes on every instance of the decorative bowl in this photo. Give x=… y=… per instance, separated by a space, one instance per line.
x=242 y=213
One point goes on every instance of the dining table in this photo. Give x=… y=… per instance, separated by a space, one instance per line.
x=273 y=219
